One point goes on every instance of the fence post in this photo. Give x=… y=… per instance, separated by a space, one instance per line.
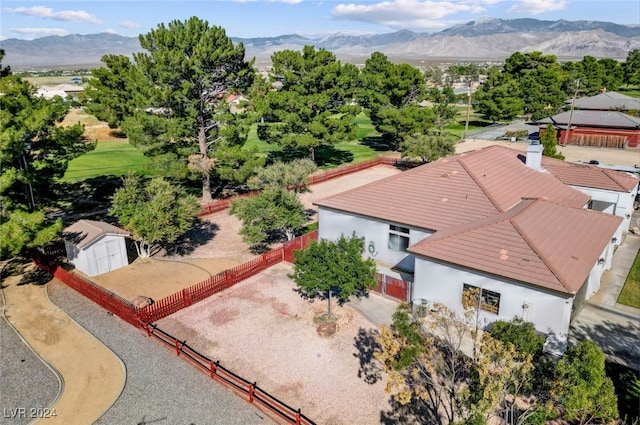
x=212 y=368
x=264 y=261
x=147 y=328
x=251 y=389
x=228 y=278
x=177 y=348
x=186 y=299
x=298 y=414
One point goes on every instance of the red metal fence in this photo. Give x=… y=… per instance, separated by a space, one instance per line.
x=393 y=287
x=296 y=244
x=222 y=375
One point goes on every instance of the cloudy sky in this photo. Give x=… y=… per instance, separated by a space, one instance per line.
x=265 y=18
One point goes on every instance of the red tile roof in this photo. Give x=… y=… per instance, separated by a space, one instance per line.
x=585 y=175
x=454 y=190
x=537 y=242
x=83 y=232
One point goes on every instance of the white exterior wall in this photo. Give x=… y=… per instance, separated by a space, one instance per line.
x=105 y=254
x=550 y=313
x=333 y=224
x=623 y=205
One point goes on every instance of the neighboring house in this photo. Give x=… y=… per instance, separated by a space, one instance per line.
x=234 y=101
x=62 y=90
x=594 y=128
x=607 y=101
x=94 y=247
x=509 y=224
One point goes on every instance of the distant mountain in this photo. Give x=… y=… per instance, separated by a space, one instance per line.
x=482 y=39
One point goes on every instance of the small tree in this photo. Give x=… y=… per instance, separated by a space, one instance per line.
x=155 y=213
x=273 y=213
x=337 y=268
x=290 y=175
x=427 y=147
x=424 y=362
x=550 y=142
x=582 y=389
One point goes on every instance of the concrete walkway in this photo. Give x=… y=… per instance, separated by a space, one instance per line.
x=93 y=376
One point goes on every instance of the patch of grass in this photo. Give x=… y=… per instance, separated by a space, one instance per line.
x=630 y=294
x=115 y=158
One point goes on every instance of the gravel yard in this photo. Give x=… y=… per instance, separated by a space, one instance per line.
x=264 y=331
x=160 y=387
x=25 y=381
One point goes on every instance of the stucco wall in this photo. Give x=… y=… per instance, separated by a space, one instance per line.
x=333 y=223
x=549 y=312
x=623 y=205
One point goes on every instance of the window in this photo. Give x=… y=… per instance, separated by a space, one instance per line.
x=489 y=300
x=398 y=238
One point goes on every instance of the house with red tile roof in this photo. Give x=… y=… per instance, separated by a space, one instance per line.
x=533 y=234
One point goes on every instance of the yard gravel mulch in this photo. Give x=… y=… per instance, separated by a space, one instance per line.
x=25 y=381
x=160 y=387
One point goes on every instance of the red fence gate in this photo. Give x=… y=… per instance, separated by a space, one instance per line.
x=396 y=288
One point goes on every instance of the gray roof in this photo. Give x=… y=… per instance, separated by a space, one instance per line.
x=606 y=119
x=83 y=232
x=608 y=101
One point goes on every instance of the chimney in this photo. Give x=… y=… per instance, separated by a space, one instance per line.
x=534 y=155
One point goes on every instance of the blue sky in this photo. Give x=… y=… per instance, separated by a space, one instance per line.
x=265 y=18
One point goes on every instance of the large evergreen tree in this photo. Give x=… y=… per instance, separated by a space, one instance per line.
x=313 y=102
x=34 y=151
x=390 y=94
x=172 y=100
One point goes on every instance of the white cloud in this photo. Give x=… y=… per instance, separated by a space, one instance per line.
x=535 y=7
x=109 y=31
x=416 y=14
x=39 y=32
x=130 y=24
x=48 y=13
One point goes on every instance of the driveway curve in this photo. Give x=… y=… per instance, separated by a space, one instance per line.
x=93 y=376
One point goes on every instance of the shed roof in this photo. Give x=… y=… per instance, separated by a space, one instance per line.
x=455 y=190
x=537 y=242
x=591 y=176
x=585 y=118
x=608 y=101
x=83 y=232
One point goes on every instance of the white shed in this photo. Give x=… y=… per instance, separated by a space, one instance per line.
x=94 y=247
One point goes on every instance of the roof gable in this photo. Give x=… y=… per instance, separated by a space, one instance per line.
x=538 y=242
x=454 y=190
x=592 y=176
x=84 y=232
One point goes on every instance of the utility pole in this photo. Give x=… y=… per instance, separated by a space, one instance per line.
x=567 y=138
x=466 y=124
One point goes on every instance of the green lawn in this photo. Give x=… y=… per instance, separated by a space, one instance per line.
x=630 y=294
x=114 y=158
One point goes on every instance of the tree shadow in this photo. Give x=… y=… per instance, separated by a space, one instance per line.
x=367 y=345
x=90 y=198
x=35 y=276
x=617 y=340
x=328 y=155
x=259 y=248
x=287 y=154
x=14 y=267
x=199 y=235
x=414 y=412
x=377 y=143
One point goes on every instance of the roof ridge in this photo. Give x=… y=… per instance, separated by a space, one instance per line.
x=535 y=248
x=481 y=186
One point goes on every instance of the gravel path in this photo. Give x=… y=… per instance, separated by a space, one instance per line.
x=25 y=381
x=160 y=387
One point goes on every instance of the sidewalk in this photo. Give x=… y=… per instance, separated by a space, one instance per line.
x=93 y=376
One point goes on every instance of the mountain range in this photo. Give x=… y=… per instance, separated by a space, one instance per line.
x=485 y=39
